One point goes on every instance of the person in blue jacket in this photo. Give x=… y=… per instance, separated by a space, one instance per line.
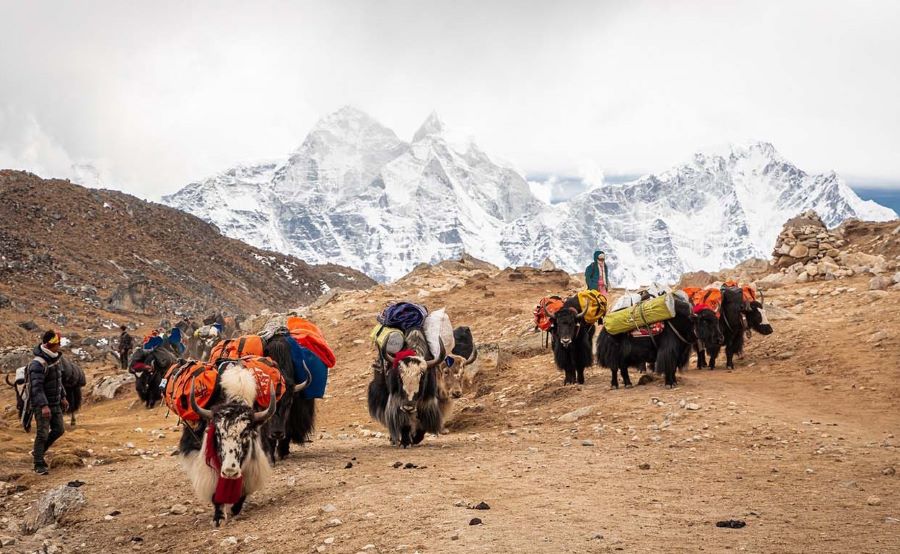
x=596 y=275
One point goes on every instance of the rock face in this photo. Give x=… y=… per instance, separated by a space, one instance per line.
x=108 y=386
x=53 y=507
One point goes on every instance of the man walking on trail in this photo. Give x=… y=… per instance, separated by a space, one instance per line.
x=126 y=343
x=596 y=276
x=48 y=397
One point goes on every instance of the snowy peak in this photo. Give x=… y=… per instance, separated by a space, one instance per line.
x=432 y=126
x=354 y=193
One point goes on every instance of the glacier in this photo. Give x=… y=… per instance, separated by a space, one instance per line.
x=356 y=194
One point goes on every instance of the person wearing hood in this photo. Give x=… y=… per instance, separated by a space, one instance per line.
x=48 y=397
x=596 y=275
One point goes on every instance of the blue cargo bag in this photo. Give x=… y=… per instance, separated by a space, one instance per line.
x=317 y=369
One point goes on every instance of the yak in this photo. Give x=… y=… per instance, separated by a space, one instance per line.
x=464 y=353
x=74 y=380
x=226 y=444
x=709 y=336
x=667 y=351
x=149 y=367
x=404 y=397
x=295 y=418
x=571 y=341
x=738 y=317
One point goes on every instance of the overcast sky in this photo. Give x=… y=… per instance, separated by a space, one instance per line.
x=157 y=94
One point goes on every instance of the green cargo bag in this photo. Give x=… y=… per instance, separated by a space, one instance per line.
x=640 y=315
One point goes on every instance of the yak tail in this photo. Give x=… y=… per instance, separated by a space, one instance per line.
x=301 y=419
x=378 y=398
x=609 y=350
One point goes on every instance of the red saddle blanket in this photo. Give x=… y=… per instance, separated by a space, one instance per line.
x=655 y=329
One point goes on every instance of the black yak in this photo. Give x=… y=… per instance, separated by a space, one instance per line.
x=571 y=341
x=74 y=380
x=709 y=337
x=738 y=316
x=223 y=456
x=149 y=367
x=295 y=418
x=668 y=351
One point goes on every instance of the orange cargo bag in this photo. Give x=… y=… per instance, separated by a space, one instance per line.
x=266 y=371
x=545 y=311
x=178 y=387
x=309 y=336
x=233 y=349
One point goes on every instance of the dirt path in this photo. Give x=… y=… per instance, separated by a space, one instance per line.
x=796 y=454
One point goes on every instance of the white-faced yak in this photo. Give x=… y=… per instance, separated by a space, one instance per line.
x=403 y=396
x=571 y=341
x=224 y=457
x=738 y=316
x=669 y=351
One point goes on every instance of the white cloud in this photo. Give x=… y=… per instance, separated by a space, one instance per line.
x=158 y=94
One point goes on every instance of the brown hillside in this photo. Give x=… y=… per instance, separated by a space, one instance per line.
x=78 y=258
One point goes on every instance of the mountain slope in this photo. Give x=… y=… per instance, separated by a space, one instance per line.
x=354 y=192
x=73 y=256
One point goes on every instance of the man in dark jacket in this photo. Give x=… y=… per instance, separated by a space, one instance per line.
x=48 y=398
x=126 y=343
x=596 y=276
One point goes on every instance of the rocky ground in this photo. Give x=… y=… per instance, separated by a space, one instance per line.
x=799 y=443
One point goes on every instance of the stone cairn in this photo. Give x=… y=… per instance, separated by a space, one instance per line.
x=808 y=249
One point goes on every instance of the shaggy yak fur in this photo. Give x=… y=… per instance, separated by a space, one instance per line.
x=74 y=380
x=738 y=317
x=296 y=415
x=709 y=337
x=236 y=440
x=571 y=340
x=667 y=351
x=160 y=359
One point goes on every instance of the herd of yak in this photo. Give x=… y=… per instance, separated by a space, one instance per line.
x=228 y=452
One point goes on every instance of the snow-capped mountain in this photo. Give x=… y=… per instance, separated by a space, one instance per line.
x=356 y=194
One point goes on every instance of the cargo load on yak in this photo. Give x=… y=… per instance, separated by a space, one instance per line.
x=593 y=304
x=545 y=311
x=205 y=379
x=387 y=339
x=709 y=298
x=640 y=315
x=439 y=332
x=309 y=336
x=232 y=349
x=308 y=368
x=403 y=316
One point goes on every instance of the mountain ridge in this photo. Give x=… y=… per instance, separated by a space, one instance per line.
x=356 y=192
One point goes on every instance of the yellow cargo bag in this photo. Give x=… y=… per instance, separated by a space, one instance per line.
x=596 y=304
x=387 y=339
x=640 y=315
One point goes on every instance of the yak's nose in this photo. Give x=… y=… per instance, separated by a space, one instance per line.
x=565 y=342
x=231 y=472
x=456 y=394
x=408 y=408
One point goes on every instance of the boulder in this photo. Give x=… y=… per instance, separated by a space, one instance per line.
x=799 y=251
x=880 y=282
x=776 y=280
x=53 y=507
x=109 y=385
x=575 y=415
x=15 y=358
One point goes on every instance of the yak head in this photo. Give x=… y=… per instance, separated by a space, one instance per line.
x=757 y=319
x=413 y=372
x=567 y=324
x=464 y=354
x=708 y=330
x=235 y=422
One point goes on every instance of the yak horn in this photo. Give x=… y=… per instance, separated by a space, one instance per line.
x=299 y=387
x=202 y=412
x=582 y=312
x=6 y=378
x=389 y=357
x=474 y=356
x=437 y=359
x=259 y=417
